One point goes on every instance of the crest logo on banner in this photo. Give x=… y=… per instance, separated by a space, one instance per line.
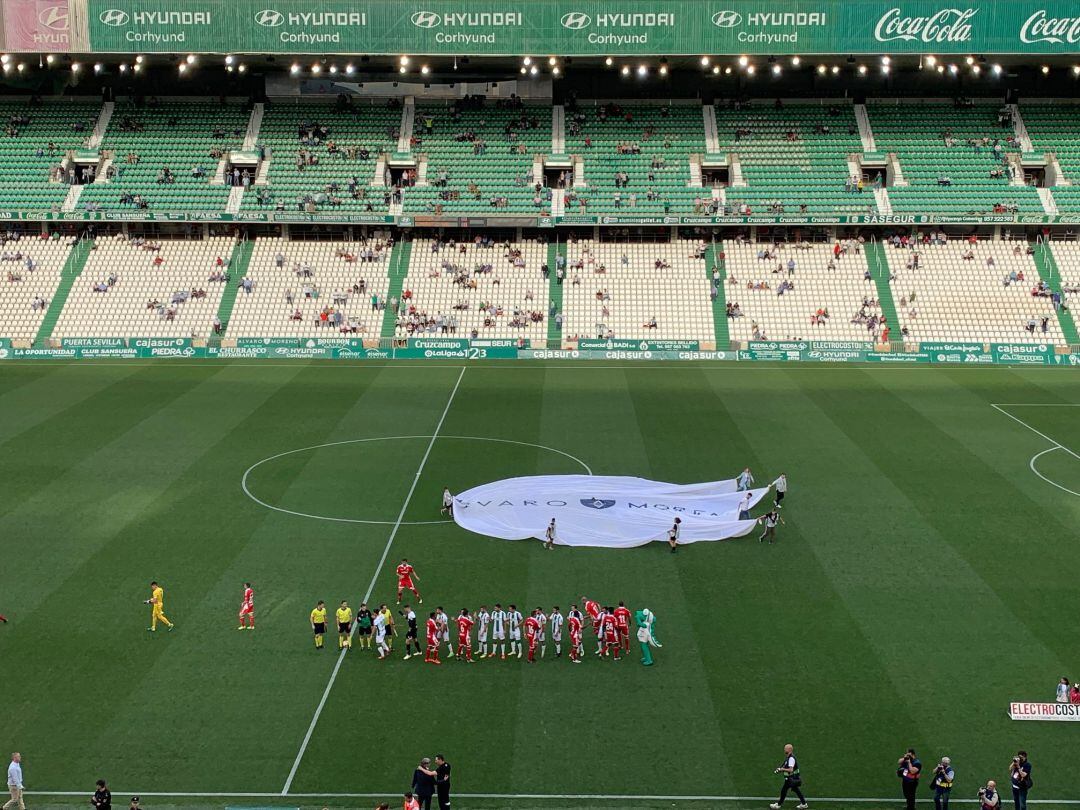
x=55 y=17
x=576 y=20
x=727 y=19
x=597 y=503
x=270 y=18
x=425 y=19
x=114 y=17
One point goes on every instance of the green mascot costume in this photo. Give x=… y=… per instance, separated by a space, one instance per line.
x=646 y=634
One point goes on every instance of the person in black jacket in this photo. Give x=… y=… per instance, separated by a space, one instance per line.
x=423 y=783
x=102 y=797
x=442 y=781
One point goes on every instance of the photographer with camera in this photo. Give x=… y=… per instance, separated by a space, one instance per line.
x=942 y=783
x=792 y=779
x=989 y=798
x=1020 y=775
x=908 y=768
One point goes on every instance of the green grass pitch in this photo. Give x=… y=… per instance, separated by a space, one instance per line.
x=926 y=577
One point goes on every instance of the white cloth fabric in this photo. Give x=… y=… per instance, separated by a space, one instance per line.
x=603 y=511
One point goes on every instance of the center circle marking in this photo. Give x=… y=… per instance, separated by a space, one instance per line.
x=250 y=494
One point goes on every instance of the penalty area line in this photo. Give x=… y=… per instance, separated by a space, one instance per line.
x=371 y=585
x=533 y=796
x=1057 y=445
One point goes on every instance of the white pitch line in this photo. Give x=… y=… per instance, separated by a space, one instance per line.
x=1056 y=444
x=371 y=585
x=1020 y=421
x=532 y=796
x=1050 y=481
x=252 y=496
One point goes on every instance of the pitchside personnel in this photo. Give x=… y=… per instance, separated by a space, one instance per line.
x=909 y=768
x=792 y=779
x=442 y=781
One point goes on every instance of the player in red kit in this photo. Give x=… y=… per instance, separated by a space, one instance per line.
x=622 y=624
x=609 y=628
x=573 y=621
x=594 y=612
x=431 y=651
x=464 y=634
x=532 y=634
x=247 y=608
x=405 y=575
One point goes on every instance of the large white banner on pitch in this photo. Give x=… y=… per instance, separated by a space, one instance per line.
x=604 y=511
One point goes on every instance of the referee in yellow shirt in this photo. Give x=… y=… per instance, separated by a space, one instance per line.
x=318 y=623
x=157 y=600
x=344 y=624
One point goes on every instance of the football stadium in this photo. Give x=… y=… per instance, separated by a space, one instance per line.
x=539 y=404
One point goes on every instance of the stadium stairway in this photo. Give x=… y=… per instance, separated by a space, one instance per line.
x=238 y=267
x=1051 y=274
x=719 y=306
x=879 y=269
x=399 y=268
x=555 y=298
x=72 y=269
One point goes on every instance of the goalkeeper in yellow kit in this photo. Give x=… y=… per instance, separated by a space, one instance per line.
x=157 y=600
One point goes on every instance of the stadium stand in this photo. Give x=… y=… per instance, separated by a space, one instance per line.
x=324 y=157
x=636 y=158
x=156 y=149
x=473 y=156
x=1067 y=258
x=640 y=290
x=801 y=291
x=476 y=288
x=37 y=138
x=25 y=293
x=294 y=284
x=141 y=287
x=480 y=157
x=968 y=290
x=953 y=156
x=1053 y=129
x=794 y=158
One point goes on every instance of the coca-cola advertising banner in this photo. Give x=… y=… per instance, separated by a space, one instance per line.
x=538 y=27
x=37 y=25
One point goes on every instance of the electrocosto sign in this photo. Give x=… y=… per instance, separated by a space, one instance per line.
x=571 y=27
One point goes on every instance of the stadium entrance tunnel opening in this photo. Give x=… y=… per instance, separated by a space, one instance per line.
x=715 y=176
